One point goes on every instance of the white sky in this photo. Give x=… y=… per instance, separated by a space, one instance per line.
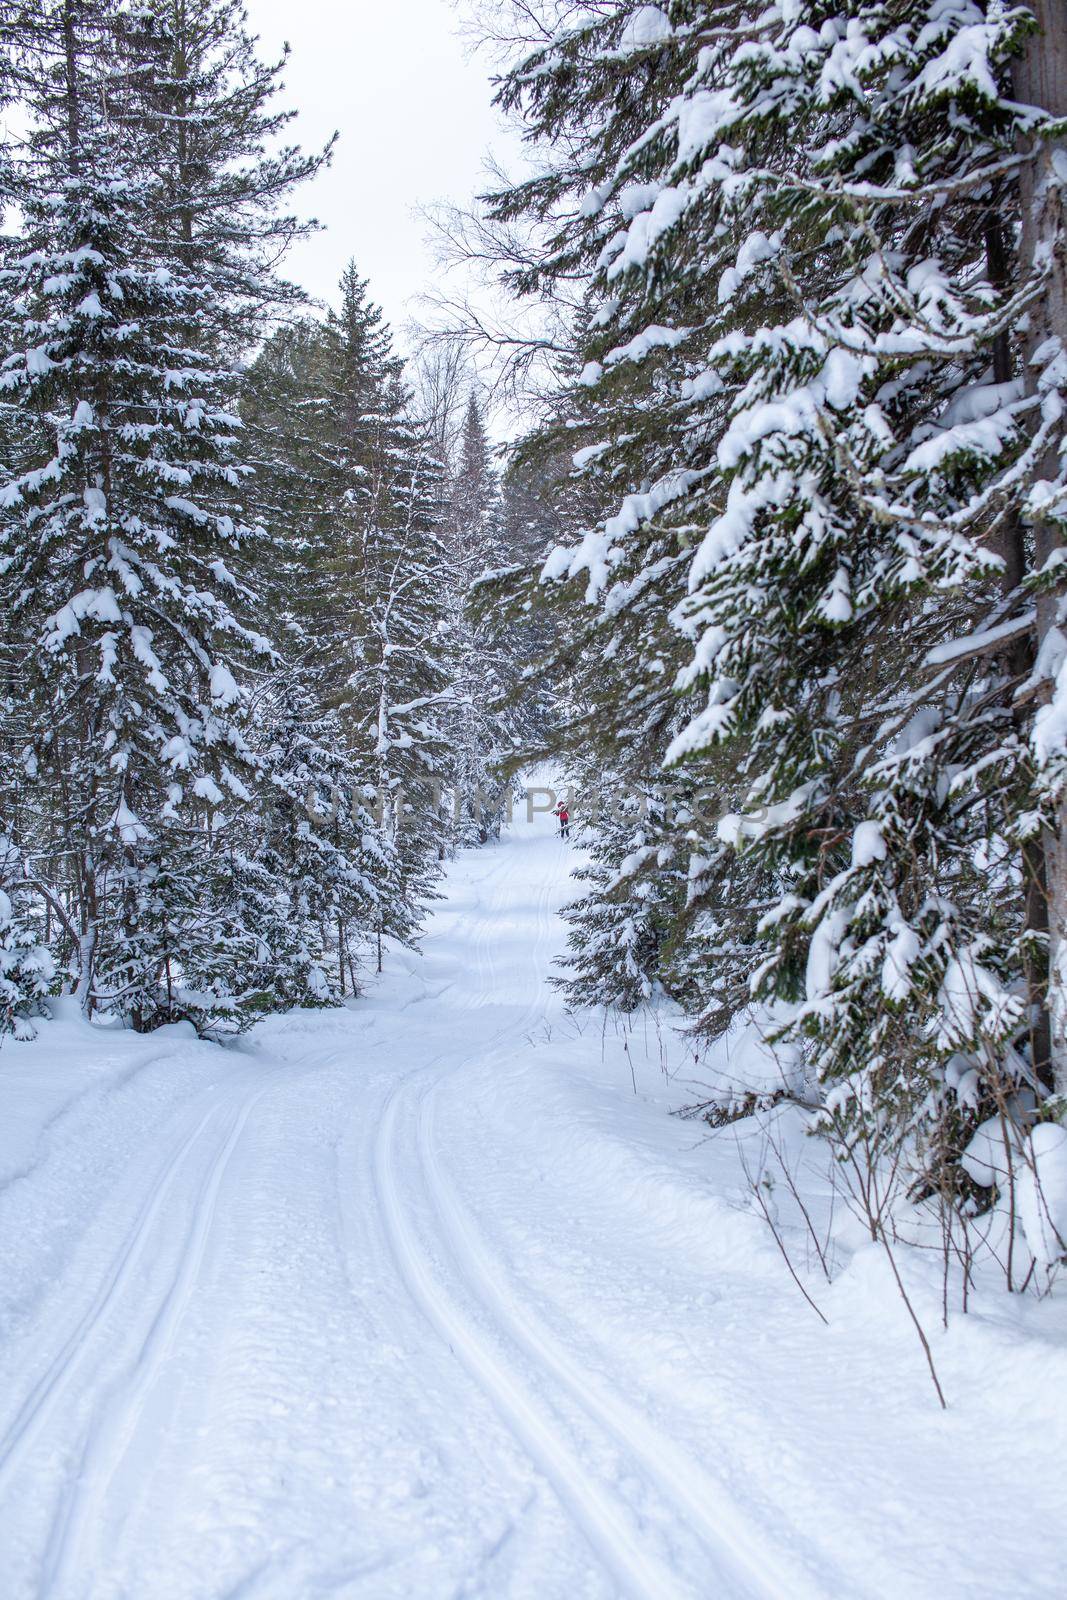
x=414 y=114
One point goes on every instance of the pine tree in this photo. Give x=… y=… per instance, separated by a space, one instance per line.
x=473 y=512
x=400 y=685
x=320 y=807
x=322 y=829
x=876 y=460
x=389 y=572
x=633 y=896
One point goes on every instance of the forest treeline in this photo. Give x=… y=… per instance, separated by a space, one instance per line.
x=246 y=712
x=786 y=291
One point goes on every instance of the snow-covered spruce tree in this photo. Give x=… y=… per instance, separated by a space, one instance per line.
x=391 y=578
x=483 y=730
x=634 y=890
x=125 y=527
x=862 y=606
x=1036 y=495
x=362 y=496
x=473 y=525
x=845 y=179
x=321 y=826
x=223 y=170
x=401 y=686
x=319 y=811
x=224 y=178
x=319 y=814
x=26 y=967
x=635 y=420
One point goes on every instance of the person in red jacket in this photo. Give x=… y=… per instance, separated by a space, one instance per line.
x=563 y=813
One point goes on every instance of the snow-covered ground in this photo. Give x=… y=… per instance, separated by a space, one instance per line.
x=430 y=1298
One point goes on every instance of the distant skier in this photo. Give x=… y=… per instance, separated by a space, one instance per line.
x=564 y=816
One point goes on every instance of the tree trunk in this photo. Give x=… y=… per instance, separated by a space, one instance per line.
x=1041 y=81
x=70 y=66
x=1018 y=662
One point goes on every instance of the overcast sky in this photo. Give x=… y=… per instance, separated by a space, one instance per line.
x=414 y=115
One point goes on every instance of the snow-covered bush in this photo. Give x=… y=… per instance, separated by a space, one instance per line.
x=749 y=1070
x=1042 y=1196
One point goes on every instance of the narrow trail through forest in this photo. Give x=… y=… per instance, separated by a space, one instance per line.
x=383 y=1304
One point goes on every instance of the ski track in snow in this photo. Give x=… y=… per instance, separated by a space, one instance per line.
x=692 y=1495
x=501 y=1360
x=107 y=1445
x=304 y=1334
x=604 y=1524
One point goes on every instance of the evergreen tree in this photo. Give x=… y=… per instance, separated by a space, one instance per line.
x=320 y=808
x=633 y=895
x=362 y=498
x=125 y=522
x=796 y=224
x=877 y=463
x=222 y=171
x=400 y=688
x=483 y=729
x=473 y=513
x=321 y=831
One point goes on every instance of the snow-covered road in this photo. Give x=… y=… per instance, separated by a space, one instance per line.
x=421 y=1299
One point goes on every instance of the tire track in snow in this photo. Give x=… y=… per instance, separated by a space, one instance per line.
x=84 y=1352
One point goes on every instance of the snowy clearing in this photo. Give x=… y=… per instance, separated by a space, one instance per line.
x=421 y=1299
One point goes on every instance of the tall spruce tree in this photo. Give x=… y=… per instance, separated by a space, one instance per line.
x=320 y=810
x=797 y=223
x=483 y=730
x=388 y=575
x=473 y=525
x=362 y=497
x=223 y=171
x=125 y=521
